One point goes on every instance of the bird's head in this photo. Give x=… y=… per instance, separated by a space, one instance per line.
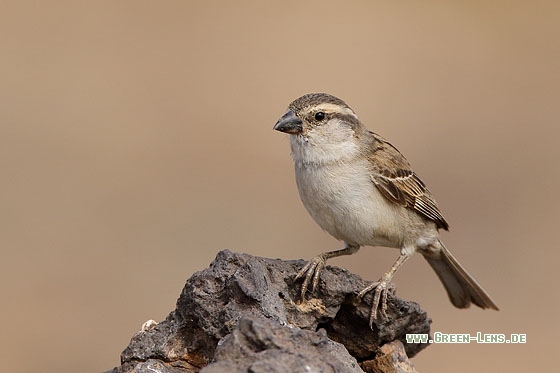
x=321 y=127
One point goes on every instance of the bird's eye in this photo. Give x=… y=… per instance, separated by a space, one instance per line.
x=319 y=115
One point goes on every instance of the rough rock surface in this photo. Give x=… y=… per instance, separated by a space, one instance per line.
x=243 y=314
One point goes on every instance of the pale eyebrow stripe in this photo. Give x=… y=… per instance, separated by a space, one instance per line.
x=333 y=108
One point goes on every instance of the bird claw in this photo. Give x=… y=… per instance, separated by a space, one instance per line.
x=311 y=273
x=382 y=288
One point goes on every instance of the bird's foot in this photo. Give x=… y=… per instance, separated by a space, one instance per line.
x=311 y=273
x=382 y=288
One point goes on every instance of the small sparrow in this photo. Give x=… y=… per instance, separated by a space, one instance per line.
x=361 y=189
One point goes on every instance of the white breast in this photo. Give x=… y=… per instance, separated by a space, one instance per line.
x=342 y=199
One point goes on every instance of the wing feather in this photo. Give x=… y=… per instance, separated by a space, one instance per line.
x=394 y=178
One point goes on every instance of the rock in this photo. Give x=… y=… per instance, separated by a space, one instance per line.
x=258 y=344
x=391 y=358
x=242 y=314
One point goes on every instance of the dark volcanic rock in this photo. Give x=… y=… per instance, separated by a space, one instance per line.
x=258 y=344
x=242 y=314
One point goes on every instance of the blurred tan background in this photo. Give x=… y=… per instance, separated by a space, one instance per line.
x=136 y=142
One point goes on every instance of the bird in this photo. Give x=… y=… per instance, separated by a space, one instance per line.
x=361 y=190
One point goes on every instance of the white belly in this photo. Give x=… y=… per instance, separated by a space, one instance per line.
x=349 y=206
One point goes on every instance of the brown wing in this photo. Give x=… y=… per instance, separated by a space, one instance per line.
x=394 y=178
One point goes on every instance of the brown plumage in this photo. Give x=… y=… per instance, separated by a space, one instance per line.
x=392 y=175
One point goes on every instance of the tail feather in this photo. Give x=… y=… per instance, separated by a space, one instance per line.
x=461 y=287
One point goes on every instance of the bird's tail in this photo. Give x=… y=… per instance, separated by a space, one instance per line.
x=461 y=287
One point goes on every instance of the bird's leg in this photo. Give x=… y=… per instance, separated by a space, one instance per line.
x=311 y=272
x=382 y=288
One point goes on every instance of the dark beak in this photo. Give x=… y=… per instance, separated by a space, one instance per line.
x=289 y=123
